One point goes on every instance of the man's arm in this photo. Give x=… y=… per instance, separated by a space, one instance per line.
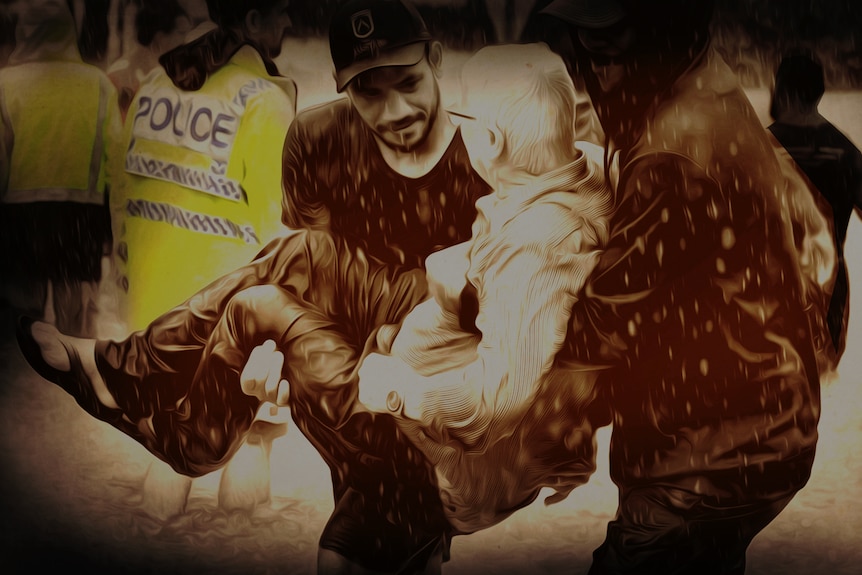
x=303 y=193
x=430 y=338
x=524 y=316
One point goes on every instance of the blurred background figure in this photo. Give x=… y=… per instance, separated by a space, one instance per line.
x=59 y=123
x=157 y=27
x=828 y=158
x=7 y=35
x=510 y=17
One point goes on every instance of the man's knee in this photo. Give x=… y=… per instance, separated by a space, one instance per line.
x=263 y=309
x=322 y=356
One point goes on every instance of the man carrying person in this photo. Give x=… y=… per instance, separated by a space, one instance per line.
x=377 y=182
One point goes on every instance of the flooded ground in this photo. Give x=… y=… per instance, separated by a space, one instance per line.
x=71 y=495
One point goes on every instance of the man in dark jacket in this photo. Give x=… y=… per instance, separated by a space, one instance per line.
x=704 y=323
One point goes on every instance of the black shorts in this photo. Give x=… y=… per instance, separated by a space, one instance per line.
x=388 y=514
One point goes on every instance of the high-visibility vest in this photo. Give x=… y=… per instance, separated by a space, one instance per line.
x=58 y=124
x=202 y=192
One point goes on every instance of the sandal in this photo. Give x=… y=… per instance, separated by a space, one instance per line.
x=75 y=382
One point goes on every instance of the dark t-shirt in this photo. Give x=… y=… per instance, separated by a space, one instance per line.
x=387 y=507
x=334 y=171
x=831 y=162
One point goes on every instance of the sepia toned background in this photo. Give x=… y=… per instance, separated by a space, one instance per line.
x=71 y=488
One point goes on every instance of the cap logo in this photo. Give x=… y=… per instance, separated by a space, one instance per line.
x=363 y=24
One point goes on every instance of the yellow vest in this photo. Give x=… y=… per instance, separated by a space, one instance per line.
x=58 y=122
x=202 y=192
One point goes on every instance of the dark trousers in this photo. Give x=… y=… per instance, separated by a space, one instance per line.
x=662 y=530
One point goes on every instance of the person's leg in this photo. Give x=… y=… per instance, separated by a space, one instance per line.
x=193 y=413
x=147 y=375
x=68 y=304
x=160 y=360
x=76 y=237
x=24 y=271
x=388 y=516
x=385 y=518
x=838 y=312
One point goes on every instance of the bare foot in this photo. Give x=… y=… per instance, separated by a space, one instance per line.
x=55 y=345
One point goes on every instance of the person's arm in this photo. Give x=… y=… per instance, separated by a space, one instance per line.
x=303 y=202
x=524 y=316
x=430 y=338
x=428 y=341
x=446 y=272
x=113 y=152
x=265 y=126
x=522 y=333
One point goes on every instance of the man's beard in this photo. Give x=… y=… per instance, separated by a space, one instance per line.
x=407 y=147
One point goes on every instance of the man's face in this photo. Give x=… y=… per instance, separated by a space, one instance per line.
x=274 y=26
x=398 y=103
x=605 y=46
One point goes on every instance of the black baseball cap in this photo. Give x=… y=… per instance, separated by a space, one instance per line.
x=366 y=34
x=587 y=13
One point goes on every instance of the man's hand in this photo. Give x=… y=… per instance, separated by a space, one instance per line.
x=261 y=376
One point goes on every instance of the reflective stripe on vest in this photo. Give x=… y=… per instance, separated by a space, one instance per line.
x=189 y=220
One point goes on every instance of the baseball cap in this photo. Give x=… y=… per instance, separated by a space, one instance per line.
x=366 y=34
x=587 y=13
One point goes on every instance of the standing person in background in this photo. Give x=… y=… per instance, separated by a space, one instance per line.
x=203 y=141
x=159 y=26
x=202 y=187
x=7 y=35
x=705 y=315
x=59 y=123
x=470 y=376
x=828 y=158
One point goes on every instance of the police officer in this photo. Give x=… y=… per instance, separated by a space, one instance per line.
x=203 y=141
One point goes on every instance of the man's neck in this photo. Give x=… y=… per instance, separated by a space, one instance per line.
x=421 y=160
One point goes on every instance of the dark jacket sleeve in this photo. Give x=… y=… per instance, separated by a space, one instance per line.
x=697 y=313
x=692 y=275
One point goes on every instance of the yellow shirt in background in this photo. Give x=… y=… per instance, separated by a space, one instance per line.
x=49 y=155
